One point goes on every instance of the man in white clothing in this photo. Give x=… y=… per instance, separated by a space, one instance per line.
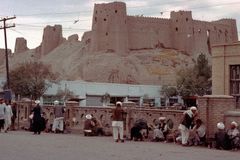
x=58 y=123
x=186 y=124
x=8 y=116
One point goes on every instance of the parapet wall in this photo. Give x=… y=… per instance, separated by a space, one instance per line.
x=212 y=109
x=104 y=114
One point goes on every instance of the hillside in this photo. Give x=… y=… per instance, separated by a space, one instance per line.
x=153 y=66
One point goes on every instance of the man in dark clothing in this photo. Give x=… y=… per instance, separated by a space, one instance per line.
x=14 y=111
x=38 y=121
x=88 y=126
x=222 y=138
x=136 y=130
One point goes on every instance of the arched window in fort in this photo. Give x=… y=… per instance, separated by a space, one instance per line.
x=96 y=12
x=106 y=33
x=176 y=29
x=95 y=19
x=116 y=11
x=176 y=20
x=105 y=19
x=186 y=19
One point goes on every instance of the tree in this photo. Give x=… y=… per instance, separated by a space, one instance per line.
x=169 y=91
x=31 y=79
x=64 y=94
x=195 y=80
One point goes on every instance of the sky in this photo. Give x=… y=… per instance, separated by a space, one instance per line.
x=33 y=15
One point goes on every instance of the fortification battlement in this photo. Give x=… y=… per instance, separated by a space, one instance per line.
x=109 y=6
x=149 y=19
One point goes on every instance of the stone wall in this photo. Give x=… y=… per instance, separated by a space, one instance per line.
x=212 y=109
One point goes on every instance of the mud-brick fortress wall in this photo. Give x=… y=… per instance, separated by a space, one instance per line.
x=113 y=29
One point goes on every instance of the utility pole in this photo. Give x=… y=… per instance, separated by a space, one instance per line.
x=6 y=49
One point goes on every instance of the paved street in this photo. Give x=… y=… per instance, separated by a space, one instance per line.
x=26 y=146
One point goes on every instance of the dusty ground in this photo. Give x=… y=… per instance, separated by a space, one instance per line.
x=25 y=146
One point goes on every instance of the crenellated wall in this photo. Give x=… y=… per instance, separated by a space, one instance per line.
x=114 y=30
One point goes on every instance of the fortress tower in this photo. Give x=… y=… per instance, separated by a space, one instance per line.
x=182 y=30
x=52 y=37
x=109 y=28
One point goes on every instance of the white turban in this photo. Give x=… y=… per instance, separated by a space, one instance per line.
x=119 y=103
x=220 y=125
x=162 y=118
x=37 y=102
x=89 y=116
x=234 y=123
x=56 y=102
x=193 y=108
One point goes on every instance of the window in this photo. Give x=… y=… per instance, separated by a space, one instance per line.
x=116 y=11
x=235 y=80
x=106 y=33
x=95 y=19
x=176 y=28
x=105 y=19
x=186 y=19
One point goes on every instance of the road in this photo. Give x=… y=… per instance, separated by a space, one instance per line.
x=19 y=145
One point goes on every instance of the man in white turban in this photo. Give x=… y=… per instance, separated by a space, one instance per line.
x=58 y=123
x=185 y=125
x=221 y=137
x=233 y=134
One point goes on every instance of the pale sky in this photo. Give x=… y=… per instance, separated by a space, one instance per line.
x=34 y=15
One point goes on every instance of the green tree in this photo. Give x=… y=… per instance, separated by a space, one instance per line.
x=31 y=79
x=169 y=91
x=195 y=80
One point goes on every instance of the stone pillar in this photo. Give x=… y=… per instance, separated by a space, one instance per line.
x=212 y=109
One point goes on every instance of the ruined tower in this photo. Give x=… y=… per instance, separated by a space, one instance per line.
x=109 y=28
x=20 y=45
x=182 y=30
x=52 y=37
